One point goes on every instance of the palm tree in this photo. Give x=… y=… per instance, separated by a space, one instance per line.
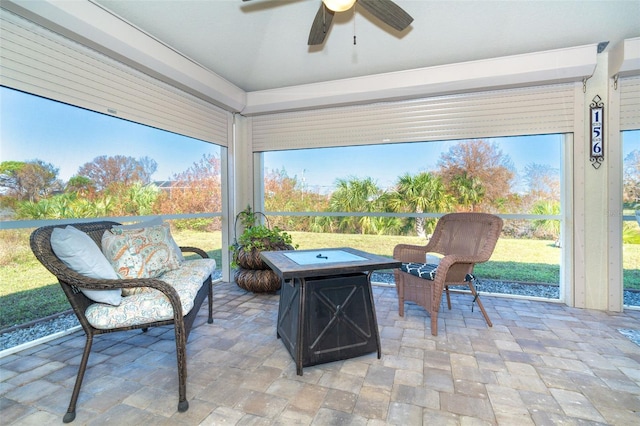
x=469 y=190
x=421 y=193
x=139 y=198
x=355 y=195
x=551 y=226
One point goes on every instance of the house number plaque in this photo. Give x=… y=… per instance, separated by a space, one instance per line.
x=597 y=132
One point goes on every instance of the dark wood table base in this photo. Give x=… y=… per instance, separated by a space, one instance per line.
x=326 y=310
x=326 y=319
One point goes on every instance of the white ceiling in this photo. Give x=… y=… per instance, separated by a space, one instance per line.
x=262 y=44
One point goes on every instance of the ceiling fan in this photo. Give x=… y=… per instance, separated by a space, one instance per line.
x=385 y=10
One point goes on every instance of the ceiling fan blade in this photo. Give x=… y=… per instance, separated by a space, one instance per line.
x=320 y=26
x=388 y=12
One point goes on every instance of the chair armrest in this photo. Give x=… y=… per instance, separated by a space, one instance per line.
x=410 y=253
x=454 y=268
x=203 y=254
x=453 y=259
x=166 y=289
x=73 y=278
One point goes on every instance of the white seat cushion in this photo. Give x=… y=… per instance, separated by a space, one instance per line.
x=151 y=305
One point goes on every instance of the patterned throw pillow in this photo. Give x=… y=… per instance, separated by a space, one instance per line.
x=155 y=221
x=141 y=253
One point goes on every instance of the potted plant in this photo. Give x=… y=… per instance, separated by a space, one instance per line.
x=252 y=273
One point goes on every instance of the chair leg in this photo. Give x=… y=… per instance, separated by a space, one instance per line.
x=446 y=289
x=400 y=291
x=436 y=300
x=434 y=323
x=480 y=305
x=181 y=354
x=210 y=297
x=71 y=411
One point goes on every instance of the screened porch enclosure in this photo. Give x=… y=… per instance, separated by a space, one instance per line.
x=39 y=60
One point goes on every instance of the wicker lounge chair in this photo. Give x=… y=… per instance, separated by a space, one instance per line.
x=71 y=281
x=464 y=239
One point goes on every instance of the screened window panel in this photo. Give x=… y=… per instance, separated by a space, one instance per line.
x=38 y=61
x=629 y=103
x=536 y=110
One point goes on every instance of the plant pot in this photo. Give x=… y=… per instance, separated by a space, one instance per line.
x=251 y=259
x=258 y=280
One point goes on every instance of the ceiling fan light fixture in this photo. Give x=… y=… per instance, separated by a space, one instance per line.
x=339 y=5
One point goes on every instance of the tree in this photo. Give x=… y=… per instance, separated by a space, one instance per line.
x=424 y=192
x=481 y=160
x=30 y=180
x=631 y=178
x=548 y=227
x=543 y=181
x=284 y=193
x=139 y=199
x=196 y=190
x=467 y=190
x=118 y=170
x=82 y=186
x=355 y=195
x=136 y=201
x=281 y=192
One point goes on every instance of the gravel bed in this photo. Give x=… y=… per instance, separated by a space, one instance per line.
x=630 y=298
x=42 y=329
x=493 y=286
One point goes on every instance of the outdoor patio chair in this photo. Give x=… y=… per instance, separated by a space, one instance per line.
x=178 y=290
x=462 y=239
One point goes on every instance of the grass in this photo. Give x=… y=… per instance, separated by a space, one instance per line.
x=518 y=260
x=28 y=291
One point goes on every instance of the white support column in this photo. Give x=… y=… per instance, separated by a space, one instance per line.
x=227 y=171
x=243 y=166
x=568 y=226
x=614 y=207
x=258 y=181
x=579 y=163
x=596 y=201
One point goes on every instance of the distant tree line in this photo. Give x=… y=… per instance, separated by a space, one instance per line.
x=110 y=186
x=471 y=176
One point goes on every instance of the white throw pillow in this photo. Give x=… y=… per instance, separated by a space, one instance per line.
x=433 y=258
x=80 y=253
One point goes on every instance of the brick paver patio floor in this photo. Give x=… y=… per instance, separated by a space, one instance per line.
x=541 y=363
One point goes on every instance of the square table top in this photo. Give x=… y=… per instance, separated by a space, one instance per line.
x=323 y=262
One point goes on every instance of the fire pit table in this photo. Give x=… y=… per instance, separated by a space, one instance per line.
x=326 y=310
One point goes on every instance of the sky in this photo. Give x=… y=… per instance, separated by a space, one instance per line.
x=68 y=137
x=385 y=163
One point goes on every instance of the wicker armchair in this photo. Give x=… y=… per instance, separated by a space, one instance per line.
x=464 y=239
x=70 y=281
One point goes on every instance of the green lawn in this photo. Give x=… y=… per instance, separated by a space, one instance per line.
x=28 y=291
x=518 y=260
